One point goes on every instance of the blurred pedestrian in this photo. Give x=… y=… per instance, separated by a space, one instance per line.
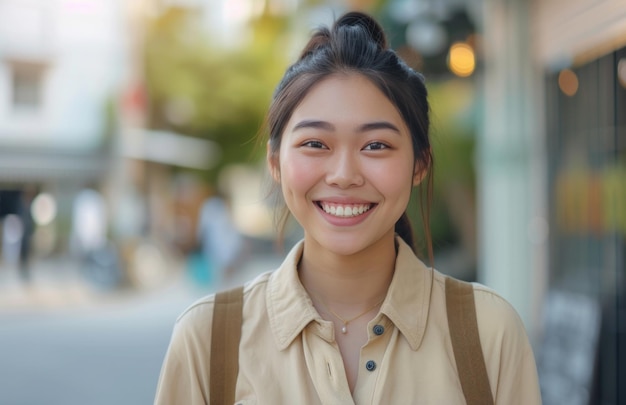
x=12 y=226
x=99 y=257
x=352 y=316
x=89 y=222
x=27 y=196
x=220 y=240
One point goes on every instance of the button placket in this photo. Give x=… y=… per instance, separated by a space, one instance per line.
x=371 y=366
x=370 y=352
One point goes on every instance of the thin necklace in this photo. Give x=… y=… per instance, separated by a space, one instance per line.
x=344 y=328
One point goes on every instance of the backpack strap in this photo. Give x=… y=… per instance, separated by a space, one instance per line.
x=225 y=337
x=468 y=353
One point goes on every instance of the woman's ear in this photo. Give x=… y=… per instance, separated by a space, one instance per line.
x=419 y=172
x=421 y=166
x=272 y=163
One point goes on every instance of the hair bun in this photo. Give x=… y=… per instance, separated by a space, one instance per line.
x=371 y=26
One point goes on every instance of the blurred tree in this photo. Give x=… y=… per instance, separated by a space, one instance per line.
x=453 y=133
x=199 y=89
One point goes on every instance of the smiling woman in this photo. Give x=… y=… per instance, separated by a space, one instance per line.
x=352 y=316
x=346 y=146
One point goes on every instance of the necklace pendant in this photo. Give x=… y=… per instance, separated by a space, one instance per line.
x=344 y=329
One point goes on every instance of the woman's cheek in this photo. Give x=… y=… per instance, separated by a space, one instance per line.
x=299 y=172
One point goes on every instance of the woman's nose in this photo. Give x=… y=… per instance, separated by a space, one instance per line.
x=344 y=171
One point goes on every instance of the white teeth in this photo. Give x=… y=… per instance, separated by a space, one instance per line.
x=345 y=211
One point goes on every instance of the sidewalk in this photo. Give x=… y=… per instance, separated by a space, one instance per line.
x=53 y=283
x=60 y=283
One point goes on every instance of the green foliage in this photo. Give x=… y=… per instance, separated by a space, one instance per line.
x=453 y=108
x=199 y=89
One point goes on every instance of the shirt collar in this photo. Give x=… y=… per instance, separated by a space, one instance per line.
x=290 y=309
x=288 y=305
x=408 y=298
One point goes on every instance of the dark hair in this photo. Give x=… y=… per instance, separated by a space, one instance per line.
x=357 y=44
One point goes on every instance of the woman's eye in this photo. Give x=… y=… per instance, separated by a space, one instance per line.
x=376 y=146
x=314 y=144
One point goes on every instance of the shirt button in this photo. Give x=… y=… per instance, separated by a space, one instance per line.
x=379 y=330
x=370 y=365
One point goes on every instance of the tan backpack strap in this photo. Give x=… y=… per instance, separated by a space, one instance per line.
x=225 y=337
x=468 y=353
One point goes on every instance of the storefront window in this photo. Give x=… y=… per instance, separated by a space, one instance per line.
x=27 y=86
x=587 y=179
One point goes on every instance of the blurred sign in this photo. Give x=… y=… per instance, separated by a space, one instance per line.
x=170 y=148
x=17 y=165
x=568 y=353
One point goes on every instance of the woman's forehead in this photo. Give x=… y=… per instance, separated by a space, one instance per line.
x=345 y=98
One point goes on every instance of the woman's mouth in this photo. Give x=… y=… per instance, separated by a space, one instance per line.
x=344 y=210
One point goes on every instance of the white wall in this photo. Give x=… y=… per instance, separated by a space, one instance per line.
x=80 y=43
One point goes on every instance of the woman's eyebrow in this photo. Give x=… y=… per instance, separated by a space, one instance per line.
x=314 y=124
x=370 y=126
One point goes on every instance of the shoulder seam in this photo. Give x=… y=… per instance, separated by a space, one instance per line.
x=484 y=289
x=207 y=300
x=210 y=299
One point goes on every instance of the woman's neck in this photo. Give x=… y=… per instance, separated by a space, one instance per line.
x=348 y=281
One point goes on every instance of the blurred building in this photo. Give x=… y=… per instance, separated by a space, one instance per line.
x=551 y=166
x=61 y=65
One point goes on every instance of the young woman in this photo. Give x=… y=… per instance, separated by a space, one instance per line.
x=352 y=316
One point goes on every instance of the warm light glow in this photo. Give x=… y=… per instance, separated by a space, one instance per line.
x=461 y=59
x=568 y=82
x=621 y=72
x=43 y=209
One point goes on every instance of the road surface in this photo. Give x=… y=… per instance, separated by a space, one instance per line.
x=94 y=351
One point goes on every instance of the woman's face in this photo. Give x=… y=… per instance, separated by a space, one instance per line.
x=346 y=165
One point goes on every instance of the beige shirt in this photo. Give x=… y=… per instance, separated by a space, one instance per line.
x=288 y=353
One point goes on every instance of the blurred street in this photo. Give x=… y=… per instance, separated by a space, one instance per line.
x=64 y=342
x=129 y=136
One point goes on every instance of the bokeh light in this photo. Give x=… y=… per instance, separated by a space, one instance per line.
x=461 y=59
x=426 y=36
x=43 y=209
x=568 y=82
x=621 y=72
